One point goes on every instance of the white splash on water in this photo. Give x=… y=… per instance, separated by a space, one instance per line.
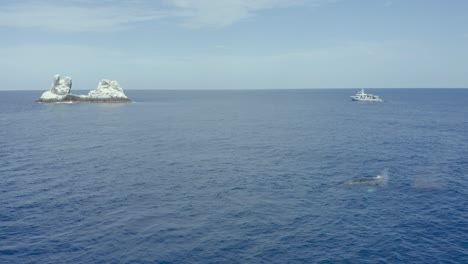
x=428 y=182
x=383 y=178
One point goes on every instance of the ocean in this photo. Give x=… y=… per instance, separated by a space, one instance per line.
x=247 y=176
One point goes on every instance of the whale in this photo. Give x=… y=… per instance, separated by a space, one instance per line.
x=380 y=180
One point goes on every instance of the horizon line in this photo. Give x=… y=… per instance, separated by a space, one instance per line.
x=248 y=89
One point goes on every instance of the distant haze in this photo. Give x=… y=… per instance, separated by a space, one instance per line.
x=235 y=44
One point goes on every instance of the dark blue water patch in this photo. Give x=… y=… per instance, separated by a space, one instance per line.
x=235 y=177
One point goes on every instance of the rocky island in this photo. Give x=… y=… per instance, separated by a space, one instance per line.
x=107 y=91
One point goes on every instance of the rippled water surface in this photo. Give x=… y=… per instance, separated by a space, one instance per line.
x=235 y=177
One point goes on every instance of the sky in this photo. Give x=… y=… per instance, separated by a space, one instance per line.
x=235 y=44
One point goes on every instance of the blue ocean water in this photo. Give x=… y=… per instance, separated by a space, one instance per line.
x=235 y=177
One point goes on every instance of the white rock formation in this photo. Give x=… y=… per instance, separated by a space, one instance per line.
x=107 y=90
x=58 y=90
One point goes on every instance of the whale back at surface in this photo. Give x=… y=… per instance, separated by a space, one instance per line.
x=380 y=180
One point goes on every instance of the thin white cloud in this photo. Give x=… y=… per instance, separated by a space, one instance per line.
x=202 y=13
x=75 y=16
x=388 y=3
x=86 y=15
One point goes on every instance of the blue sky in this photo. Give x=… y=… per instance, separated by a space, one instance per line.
x=235 y=44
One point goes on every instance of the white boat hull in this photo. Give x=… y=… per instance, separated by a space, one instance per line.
x=365 y=100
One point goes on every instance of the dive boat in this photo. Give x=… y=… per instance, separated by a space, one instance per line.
x=362 y=96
